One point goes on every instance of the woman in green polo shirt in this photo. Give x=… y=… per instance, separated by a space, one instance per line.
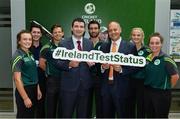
x=161 y=74
x=25 y=76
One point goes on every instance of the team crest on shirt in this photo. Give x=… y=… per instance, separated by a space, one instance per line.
x=140 y=53
x=157 y=62
x=26 y=59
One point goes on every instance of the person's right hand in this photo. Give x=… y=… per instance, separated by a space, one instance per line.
x=105 y=66
x=73 y=63
x=27 y=103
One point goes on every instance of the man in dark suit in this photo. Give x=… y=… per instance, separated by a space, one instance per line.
x=115 y=77
x=76 y=77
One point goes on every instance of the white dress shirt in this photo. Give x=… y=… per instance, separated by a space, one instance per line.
x=75 y=42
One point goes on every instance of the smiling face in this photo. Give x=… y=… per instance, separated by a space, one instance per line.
x=36 y=33
x=25 y=41
x=114 y=31
x=57 y=33
x=137 y=36
x=155 y=44
x=94 y=30
x=78 y=29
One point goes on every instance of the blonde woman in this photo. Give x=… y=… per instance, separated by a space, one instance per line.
x=136 y=102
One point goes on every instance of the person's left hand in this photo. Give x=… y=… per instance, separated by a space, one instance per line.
x=39 y=93
x=91 y=64
x=117 y=68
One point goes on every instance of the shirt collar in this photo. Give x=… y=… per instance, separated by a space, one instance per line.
x=75 y=39
x=23 y=52
x=149 y=57
x=117 y=41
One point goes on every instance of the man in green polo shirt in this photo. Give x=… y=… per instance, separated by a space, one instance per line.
x=53 y=74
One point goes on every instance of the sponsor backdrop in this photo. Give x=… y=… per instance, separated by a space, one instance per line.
x=175 y=35
x=130 y=13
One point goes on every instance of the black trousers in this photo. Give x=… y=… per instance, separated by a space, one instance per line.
x=22 y=111
x=95 y=91
x=53 y=91
x=40 y=110
x=136 y=99
x=157 y=102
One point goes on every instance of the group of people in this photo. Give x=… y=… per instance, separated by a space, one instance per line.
x=48 y=87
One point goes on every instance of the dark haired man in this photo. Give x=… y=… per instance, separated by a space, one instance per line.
x=94 y=30
x=36 y=32
x=76 y=79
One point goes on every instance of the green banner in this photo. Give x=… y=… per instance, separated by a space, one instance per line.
x=129 y=13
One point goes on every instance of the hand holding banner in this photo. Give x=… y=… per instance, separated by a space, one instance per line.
x=99 y=57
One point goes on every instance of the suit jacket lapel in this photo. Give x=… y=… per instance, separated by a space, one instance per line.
x=121 y=47
x=84 y=45
x=109 y=47
x=70 y=43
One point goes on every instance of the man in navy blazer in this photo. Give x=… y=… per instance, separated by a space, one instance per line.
x=115 y=90
x=76 y=77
